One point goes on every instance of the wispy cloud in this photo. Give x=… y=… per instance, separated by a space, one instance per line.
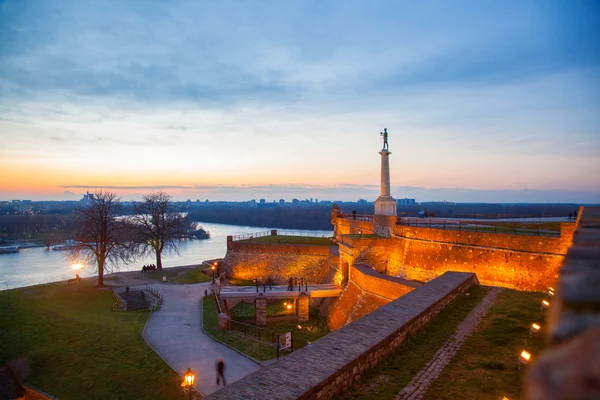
x=286 y=93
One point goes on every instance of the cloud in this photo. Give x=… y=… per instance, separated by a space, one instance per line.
x=285 y=92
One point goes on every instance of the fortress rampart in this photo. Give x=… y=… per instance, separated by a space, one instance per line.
x=332 y=363
x=279 y=261
x=524 y=262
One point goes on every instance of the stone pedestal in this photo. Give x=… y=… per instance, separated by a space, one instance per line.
x=385 y=204
x=303 y=307
x=260 y=305
x=224 y=322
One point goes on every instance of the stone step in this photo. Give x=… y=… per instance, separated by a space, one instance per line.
x=135 y=300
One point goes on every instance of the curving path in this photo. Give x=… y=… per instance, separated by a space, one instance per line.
x=174 y=332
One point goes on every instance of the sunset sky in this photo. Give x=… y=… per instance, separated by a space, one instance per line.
x=495 y=101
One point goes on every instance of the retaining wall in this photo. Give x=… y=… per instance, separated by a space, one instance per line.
x=331 y=364
x=279 y=261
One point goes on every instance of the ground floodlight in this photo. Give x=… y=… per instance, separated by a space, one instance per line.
x=545 y=304
x=524 y=358
x=534 y=329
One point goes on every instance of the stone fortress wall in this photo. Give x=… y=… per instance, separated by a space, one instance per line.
x=248 y=261
x=333 y=363
x=523 y=262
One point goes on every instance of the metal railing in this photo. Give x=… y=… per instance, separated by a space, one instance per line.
x=248 y=236
x=357 y=217
x=514 y=228
x=156 y=294
x=295 y=237
x=252 y=331
x=118 y=301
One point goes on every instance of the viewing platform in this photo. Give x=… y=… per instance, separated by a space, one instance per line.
x=279 y=292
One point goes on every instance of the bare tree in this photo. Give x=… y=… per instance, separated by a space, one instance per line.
x=102 y=237
x=159 y=225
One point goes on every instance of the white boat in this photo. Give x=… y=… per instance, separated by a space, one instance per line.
x=9 y=249
x=68 y=245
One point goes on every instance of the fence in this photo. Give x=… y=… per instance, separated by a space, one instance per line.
x=280 y=236
x=357 y=217
x=515 y=228
x=156 y=294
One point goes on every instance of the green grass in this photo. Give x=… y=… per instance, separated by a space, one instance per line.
x=180 y=275
x=283 y=239
x=310 y=330
x=275 y=308
x=389 y=377
x=486 y=365
x=78 y=348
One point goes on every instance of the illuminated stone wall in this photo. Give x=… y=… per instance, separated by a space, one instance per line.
x=366 y=291
x=523 y=262
x=279 y=261
x=333 y=363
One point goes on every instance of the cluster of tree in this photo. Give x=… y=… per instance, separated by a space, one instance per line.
x=311 y=217
x=39 y=226
x=106 y=237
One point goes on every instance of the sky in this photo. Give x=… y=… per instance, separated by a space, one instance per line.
x=484 y=101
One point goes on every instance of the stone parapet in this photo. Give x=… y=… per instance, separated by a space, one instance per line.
x=332 y=363
x=570 y=367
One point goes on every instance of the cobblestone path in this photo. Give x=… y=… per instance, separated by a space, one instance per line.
x=419 y=384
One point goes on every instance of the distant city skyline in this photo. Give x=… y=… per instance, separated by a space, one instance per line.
x=484 y=101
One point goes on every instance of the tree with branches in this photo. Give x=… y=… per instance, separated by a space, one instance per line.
x=159 y=226
x=102 y=238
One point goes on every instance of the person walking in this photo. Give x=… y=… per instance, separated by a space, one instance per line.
x=221 y=371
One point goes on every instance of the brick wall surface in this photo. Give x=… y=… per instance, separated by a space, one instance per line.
x=251 y=260
x=332 y=363
x=422 y=260
x=537 y=244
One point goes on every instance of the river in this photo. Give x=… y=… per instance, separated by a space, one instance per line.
x=41 y=265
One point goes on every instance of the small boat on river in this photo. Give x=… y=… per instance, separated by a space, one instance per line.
x=9 y=249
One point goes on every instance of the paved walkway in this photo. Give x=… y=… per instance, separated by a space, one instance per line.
x=175 y=334
x=421 y=382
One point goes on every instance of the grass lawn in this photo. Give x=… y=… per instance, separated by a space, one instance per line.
x=486 y=365
x=283 y=239
x=310 y=330
x=181 y=276
x=78 y=348
x=389 y=377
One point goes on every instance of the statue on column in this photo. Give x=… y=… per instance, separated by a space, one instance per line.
x=385 y=139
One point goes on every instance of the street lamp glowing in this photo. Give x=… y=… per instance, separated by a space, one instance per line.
x=289 y=306
x=77 y=267
x=188 y=378
x=299 y=327
x=550 y=292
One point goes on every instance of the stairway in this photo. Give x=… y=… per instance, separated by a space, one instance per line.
x=134 y=300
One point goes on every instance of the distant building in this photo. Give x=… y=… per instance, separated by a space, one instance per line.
x=406 y=202
x=88 y=198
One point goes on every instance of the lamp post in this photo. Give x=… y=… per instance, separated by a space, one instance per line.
x=77 y=268
x=213 y=270
x=188 y=381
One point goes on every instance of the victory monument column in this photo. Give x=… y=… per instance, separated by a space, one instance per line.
x=385 y=204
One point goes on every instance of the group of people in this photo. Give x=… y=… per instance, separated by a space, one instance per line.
x=293 y=282
x=150 y=267
x=573 y=216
